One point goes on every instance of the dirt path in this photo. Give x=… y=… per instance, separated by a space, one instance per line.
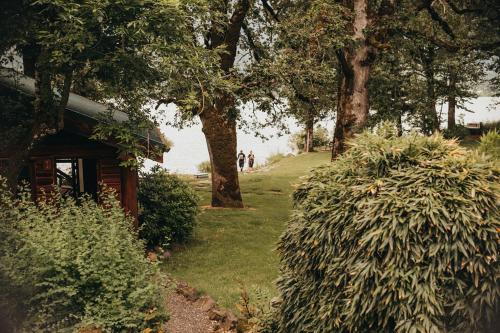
x=186 y=316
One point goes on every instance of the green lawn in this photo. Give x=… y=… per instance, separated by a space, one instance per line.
x=233 y=247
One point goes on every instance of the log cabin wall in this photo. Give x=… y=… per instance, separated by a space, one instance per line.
x=94 y=160
x=94 y=154
x=43 y=175
x=110 y=175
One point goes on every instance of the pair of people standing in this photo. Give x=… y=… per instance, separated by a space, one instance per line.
x=242 y=158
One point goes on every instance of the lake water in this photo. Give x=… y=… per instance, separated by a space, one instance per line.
x=190 y=147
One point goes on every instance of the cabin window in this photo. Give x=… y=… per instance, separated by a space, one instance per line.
x=67 y=176
x=76 y=176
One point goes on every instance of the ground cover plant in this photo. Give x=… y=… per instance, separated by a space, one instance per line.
x=400 y=234
x=168 y=208
x=70 y=266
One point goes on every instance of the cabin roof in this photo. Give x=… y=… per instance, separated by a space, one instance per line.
x=77 y=104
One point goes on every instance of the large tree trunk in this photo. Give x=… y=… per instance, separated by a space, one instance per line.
x=218 y=125
x=452 y=103
x=355 y=63
x=399 y=124
x=309 y=135
x=220 y=133
x=18 y=148
x=432 y=120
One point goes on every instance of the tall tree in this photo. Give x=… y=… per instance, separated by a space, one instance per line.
x=304 y=60
x=62 y=42
x=230 y=36
x=368 y=31
x=219 y=125
x=427 y=65
x=376 y=24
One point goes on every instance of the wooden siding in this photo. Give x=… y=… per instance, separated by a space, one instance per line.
x=44 y=174
x=110 y=175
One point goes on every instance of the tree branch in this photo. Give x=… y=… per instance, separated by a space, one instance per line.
x=437 y=18
x=165 y=101
x=270 y=10
x=256 y=51
x=68 y=79
x=459 y=11
x=233 y=33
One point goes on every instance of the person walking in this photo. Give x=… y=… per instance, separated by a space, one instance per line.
x=251 y=159
x=241 y=160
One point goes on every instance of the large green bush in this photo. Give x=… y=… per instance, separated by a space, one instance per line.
x=70 y=265
x=168 y=208
x=397 y=235
x=458 y=132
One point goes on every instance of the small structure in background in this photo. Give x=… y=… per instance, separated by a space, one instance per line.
x=201 y=175
x=74 y=161
x=475 y=130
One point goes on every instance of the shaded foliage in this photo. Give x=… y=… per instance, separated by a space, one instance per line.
x=168 y=208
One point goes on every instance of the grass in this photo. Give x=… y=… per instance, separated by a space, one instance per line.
x=231 y=248
x=274 y=158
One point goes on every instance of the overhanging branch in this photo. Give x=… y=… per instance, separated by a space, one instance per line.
x=462 y=11
x=270 y=10
x=256 y=51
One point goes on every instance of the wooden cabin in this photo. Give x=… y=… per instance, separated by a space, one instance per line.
x=73 y=161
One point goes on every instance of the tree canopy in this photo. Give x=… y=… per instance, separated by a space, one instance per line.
x=221 y=62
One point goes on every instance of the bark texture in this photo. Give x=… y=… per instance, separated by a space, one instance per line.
x=432 y=119
x=452 y=104
x=218 y=125
x=309 y=147
x=220 y=133
x=355 y=65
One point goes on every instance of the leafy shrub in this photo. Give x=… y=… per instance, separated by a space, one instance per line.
x=458 y=132
x=76 y=265
x=321 y=138
x=398 y=235
x=204 y=166
x=274 y=158
x=490 y=126
x=490 y=144
x=168 y=208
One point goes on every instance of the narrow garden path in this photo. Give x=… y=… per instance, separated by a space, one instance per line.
x=186 y=316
